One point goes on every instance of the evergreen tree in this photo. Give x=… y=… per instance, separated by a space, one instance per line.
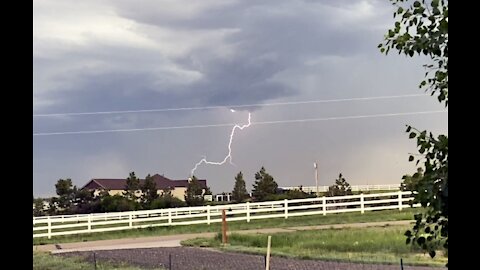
x=149 y=191
x=264 y=185
x=341 y=187
x=194 y=193
x=239 y=192
x=132 y=186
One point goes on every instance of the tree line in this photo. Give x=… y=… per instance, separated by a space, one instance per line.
x=136 y=196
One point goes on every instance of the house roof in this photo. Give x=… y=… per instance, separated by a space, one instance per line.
x=119 y=184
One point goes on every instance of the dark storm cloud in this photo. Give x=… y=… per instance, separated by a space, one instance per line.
x=134 y=55
x=270 y=37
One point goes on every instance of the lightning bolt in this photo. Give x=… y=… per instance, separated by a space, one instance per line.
x=229 y=156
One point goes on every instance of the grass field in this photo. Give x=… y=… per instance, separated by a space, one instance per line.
x=340 y=218
x=372 y=244
x=46 y=261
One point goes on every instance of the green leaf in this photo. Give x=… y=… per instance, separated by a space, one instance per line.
x=421 y=240
x=408 y=233
x=400 y=10
x=432 y=253
x=409 y=128
x=417 y=4
x=406 y=15
x=412 y=135
x=410 y=158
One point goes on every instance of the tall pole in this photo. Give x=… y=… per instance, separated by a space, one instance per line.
x=315 y=165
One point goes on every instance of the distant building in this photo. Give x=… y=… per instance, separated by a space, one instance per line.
x=223 y=197
x=117 y=186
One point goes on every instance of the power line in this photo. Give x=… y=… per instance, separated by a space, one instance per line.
x=229 y=106
x=230 y=124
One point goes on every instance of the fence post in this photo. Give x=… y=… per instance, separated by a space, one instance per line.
x=324 y=204
x=169 y=216
x=286 y=208
x=400 y=200
x=269 y=244
x=248 y=211
x=89 y=222
x=224 y=228
x=130 y=223
x=362 y=204
x=49 y=224
x=208 y=214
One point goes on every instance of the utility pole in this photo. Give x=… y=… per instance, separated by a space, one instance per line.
x=316 y=176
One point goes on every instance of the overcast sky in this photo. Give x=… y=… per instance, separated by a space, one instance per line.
x=117 y=55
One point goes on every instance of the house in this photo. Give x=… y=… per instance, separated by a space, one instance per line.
x=117 y=186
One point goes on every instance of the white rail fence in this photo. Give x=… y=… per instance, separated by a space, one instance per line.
x=102 y=222
x=313 y=189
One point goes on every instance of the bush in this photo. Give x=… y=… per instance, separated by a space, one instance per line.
x=276 y=197
x=167 y=202
x=117 y=203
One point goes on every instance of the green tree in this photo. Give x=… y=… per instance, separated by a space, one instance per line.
x=297 y=194
x=132 y=186
x=410 y=182
x=239 y=192
x=166 y=200
x=117 y=203
x=66 y=194
x=193 y=195
x=422 y=28
x=84 y=202
x=341 y=187
x=149 y=192
x=83 y=196
x=264 y=185
x=38 y=209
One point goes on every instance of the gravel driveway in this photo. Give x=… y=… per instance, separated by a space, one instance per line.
x=191 y=258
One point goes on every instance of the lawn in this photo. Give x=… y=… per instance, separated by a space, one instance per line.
x=46 y=261
x=340 y=218
x=373 y=244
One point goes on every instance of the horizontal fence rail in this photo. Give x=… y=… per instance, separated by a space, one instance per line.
x=49 y=226
x=313 y=189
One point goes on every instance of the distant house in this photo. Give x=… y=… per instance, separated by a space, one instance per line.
x=117 y=186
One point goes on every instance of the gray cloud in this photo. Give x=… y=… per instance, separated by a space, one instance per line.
x=125 y=55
